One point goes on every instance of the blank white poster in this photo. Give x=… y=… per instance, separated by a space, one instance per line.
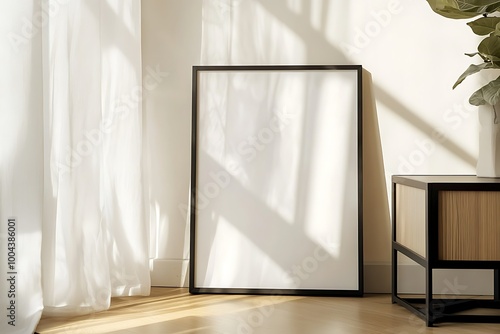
x=276 y=179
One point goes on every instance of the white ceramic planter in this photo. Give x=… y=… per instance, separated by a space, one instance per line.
x=488 y=162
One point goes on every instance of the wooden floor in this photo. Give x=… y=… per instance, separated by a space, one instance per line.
x=175 y=311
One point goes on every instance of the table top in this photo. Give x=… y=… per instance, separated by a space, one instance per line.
x=448 y=182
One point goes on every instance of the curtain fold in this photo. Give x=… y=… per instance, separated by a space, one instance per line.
x=70 y=172
x=21 y=167
x=95 y=236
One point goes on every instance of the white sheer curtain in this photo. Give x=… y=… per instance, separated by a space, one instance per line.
x=94 y=234
x=21 y=168
x=83 y=157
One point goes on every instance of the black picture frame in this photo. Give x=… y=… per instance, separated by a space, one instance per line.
x=226 y=101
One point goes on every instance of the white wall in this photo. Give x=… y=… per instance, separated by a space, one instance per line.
x=414 y=122
x=171 y=39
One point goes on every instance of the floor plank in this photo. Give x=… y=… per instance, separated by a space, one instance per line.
x=174 y=310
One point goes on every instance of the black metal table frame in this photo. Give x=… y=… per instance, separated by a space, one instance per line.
x=431 y=310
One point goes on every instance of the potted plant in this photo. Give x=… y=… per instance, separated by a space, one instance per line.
x=488 y=96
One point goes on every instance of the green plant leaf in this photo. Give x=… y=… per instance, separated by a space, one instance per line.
x=497 y=30
x=463 y=9
x=478 y=54
x=473 y=69
x=484 y=25
x=490 y=48
x=488 y=94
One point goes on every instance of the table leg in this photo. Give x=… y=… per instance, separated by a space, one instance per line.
x=428 y=297
x=394 y=274
x=496 y=283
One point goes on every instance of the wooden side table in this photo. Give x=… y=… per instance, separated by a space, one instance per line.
x=446 y=222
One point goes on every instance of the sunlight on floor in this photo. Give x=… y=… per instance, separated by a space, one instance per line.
x=174 y=310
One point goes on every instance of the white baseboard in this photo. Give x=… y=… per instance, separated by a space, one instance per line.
x=175 y=273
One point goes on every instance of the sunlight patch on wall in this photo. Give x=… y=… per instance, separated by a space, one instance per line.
x=316 y=13
x=244 y=32
x=158 y=229
x=295 y=6
x=117 y=6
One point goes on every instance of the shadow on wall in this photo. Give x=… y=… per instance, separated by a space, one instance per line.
x=376 y=213
x=377 y=223
x=418 y=122
x=228 y=38
x=245 y=39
